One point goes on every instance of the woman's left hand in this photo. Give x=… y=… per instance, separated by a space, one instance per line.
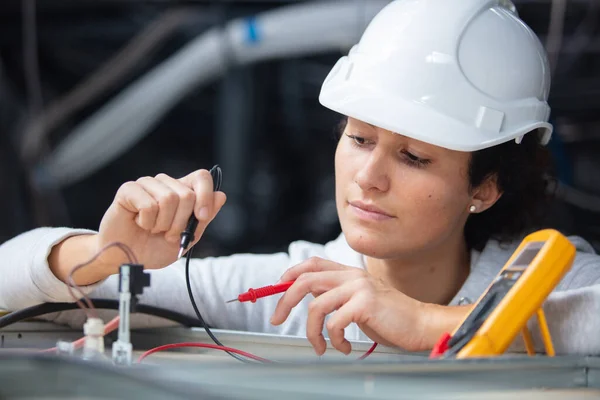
x=383 y=313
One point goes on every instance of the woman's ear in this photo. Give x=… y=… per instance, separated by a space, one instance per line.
x=485 y=195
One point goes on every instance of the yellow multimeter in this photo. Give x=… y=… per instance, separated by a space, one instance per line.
x=516 y=294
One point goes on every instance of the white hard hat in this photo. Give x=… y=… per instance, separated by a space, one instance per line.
x=459 y=74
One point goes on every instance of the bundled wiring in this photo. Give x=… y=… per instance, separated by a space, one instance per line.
x=100 y=304
x=106 y=304
x=89 y=310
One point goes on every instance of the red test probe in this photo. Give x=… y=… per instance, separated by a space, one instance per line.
x=265 y=291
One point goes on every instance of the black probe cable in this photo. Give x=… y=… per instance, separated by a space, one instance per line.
x=188 y=236
x=198 y=315
x=48 y=308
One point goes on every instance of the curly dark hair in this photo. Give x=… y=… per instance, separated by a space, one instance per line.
x=524 y=175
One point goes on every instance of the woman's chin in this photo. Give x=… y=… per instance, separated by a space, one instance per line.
x=368 y=244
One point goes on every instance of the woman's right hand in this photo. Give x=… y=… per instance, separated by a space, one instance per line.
x=148 y=216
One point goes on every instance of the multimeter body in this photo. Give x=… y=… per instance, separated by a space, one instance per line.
x=516 y=294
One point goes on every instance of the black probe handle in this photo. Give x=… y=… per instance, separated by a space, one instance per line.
x=187 y=236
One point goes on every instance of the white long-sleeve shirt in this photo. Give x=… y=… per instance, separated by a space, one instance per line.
x=572 y=310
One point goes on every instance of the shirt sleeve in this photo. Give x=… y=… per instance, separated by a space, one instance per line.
x=573 y=310
x=573 y=318
x=25 y=277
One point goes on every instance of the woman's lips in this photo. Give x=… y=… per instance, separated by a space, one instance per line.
x=369 y=211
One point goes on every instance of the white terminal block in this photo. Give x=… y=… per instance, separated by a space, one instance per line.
x=94 y=338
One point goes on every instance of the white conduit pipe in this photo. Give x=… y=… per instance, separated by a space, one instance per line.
x=307 y=28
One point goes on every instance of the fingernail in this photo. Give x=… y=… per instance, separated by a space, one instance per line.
x=203 y=214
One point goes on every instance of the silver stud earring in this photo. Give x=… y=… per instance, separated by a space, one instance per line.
x=472 y=209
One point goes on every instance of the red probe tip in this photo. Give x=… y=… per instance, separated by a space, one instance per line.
x=231 y=301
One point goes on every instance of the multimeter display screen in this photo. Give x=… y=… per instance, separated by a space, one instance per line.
x=499 y=288
x=528 y=254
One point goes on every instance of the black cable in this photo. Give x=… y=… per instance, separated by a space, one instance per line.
x=47 y=308
x=202 y=322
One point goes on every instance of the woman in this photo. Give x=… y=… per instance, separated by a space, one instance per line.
x=440 y=161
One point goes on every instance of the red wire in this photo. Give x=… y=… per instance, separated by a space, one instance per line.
x=368 y=352
x=203 y=345
x=223 y=348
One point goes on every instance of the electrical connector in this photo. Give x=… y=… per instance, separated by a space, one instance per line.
x=138 y=280
x=65 y=348
x=122 y=352
x=94 y=339
x=132 y=281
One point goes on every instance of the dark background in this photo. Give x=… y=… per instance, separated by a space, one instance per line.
x=280 y=180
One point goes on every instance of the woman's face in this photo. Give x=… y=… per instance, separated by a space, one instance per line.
x=398 y=197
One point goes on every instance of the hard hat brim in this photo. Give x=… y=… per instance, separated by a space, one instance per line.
x=418 y=121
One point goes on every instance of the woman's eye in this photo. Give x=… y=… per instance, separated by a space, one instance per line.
x=358 y=141
x=413 y=160
x=412 y=156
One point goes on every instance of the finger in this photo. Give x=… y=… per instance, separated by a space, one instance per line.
x=313 y=264
x=219 y=200
x=318 y=311
x=336 y=328
x=167 y=200
x=315 y=283
x=351 y=311
x=141 y=204
x=187 y=199
x=201 y=183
